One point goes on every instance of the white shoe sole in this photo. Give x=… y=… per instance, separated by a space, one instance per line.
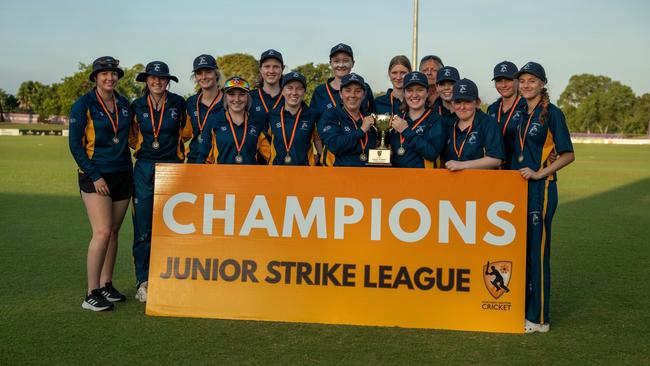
x=536 y=328
x=88 y=306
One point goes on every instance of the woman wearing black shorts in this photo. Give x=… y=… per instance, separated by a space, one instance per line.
x=99 y=131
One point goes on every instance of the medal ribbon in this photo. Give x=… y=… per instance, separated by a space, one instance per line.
x=198 y=111
x=327 y=86
x=363 y=142
x=459 y=152
x=427 y=113
x=156 y=132
x=266 y=109
x=234 y=135
x=293 y=133
x=522 y=140
x=512 y=109
x=115 y=122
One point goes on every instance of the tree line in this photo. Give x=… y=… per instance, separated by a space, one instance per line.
x=591 y=103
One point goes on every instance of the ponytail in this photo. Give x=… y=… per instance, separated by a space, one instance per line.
x=544 y=102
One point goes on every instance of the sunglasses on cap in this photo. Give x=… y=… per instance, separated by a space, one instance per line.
x=237 y=83
x=108 y=63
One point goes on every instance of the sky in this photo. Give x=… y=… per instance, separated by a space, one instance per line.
x=45 y=40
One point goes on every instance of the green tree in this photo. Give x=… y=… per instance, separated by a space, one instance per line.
x=3 y=97
x=239 y=64
x=315 y=75
x=29 y=95
x=597 y=104
x=11 y=103
x=127 y=86
x=638 y=122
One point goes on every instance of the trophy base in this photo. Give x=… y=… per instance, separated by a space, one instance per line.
x=379 y=157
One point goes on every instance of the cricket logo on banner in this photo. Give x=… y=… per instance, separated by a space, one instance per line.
x=496 y=276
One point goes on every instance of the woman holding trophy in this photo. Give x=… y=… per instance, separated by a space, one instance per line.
x=474 y=138
x=327 y=96
x=344 y=129
x=417 y=137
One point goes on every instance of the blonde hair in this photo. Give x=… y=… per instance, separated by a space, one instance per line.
x=544 y=102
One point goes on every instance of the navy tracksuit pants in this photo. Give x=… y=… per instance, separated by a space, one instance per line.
x=542 y=202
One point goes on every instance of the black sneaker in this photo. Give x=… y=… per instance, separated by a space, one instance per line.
x=111 y=294
x=96 y=302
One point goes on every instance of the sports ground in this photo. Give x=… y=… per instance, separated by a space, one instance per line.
x=599 y=303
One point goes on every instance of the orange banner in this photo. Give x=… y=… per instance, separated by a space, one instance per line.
x=417 y=248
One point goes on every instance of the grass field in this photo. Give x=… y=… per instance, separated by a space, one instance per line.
x=33 y=126
x=600 y=297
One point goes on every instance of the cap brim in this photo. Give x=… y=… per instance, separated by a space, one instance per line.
x=142 y=77
x=225 y=90
x=354 y=82
x=468 y=98
x=509 y=77
x=424 y=84
x=273 y=57
x=446 y=79
x=540 y=77
x=341 y=51
x=206 y=67
x=304 y=84
x=119 y=71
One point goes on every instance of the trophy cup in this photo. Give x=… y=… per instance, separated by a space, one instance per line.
x=380 y=155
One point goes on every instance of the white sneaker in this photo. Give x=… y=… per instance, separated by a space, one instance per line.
x=531 y=327
x=141 y=294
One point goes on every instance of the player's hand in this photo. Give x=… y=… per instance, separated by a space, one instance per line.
x=454 y=165
x=101 y=187
x=398 y=124
x=528 y=173
x=367 y=122
x=552 y=156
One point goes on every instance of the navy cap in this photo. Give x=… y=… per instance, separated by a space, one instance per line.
x=271 y=54
x=465 y=89
x=415 y=78
x=204 y=62
x=294 y=75
x=505 y=69
x=105 y=63
x=352 y=78
x=156 y=68
x=341 y=47
x=447 y=73
x=533 y=68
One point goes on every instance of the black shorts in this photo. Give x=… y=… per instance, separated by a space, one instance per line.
x=119 y=184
